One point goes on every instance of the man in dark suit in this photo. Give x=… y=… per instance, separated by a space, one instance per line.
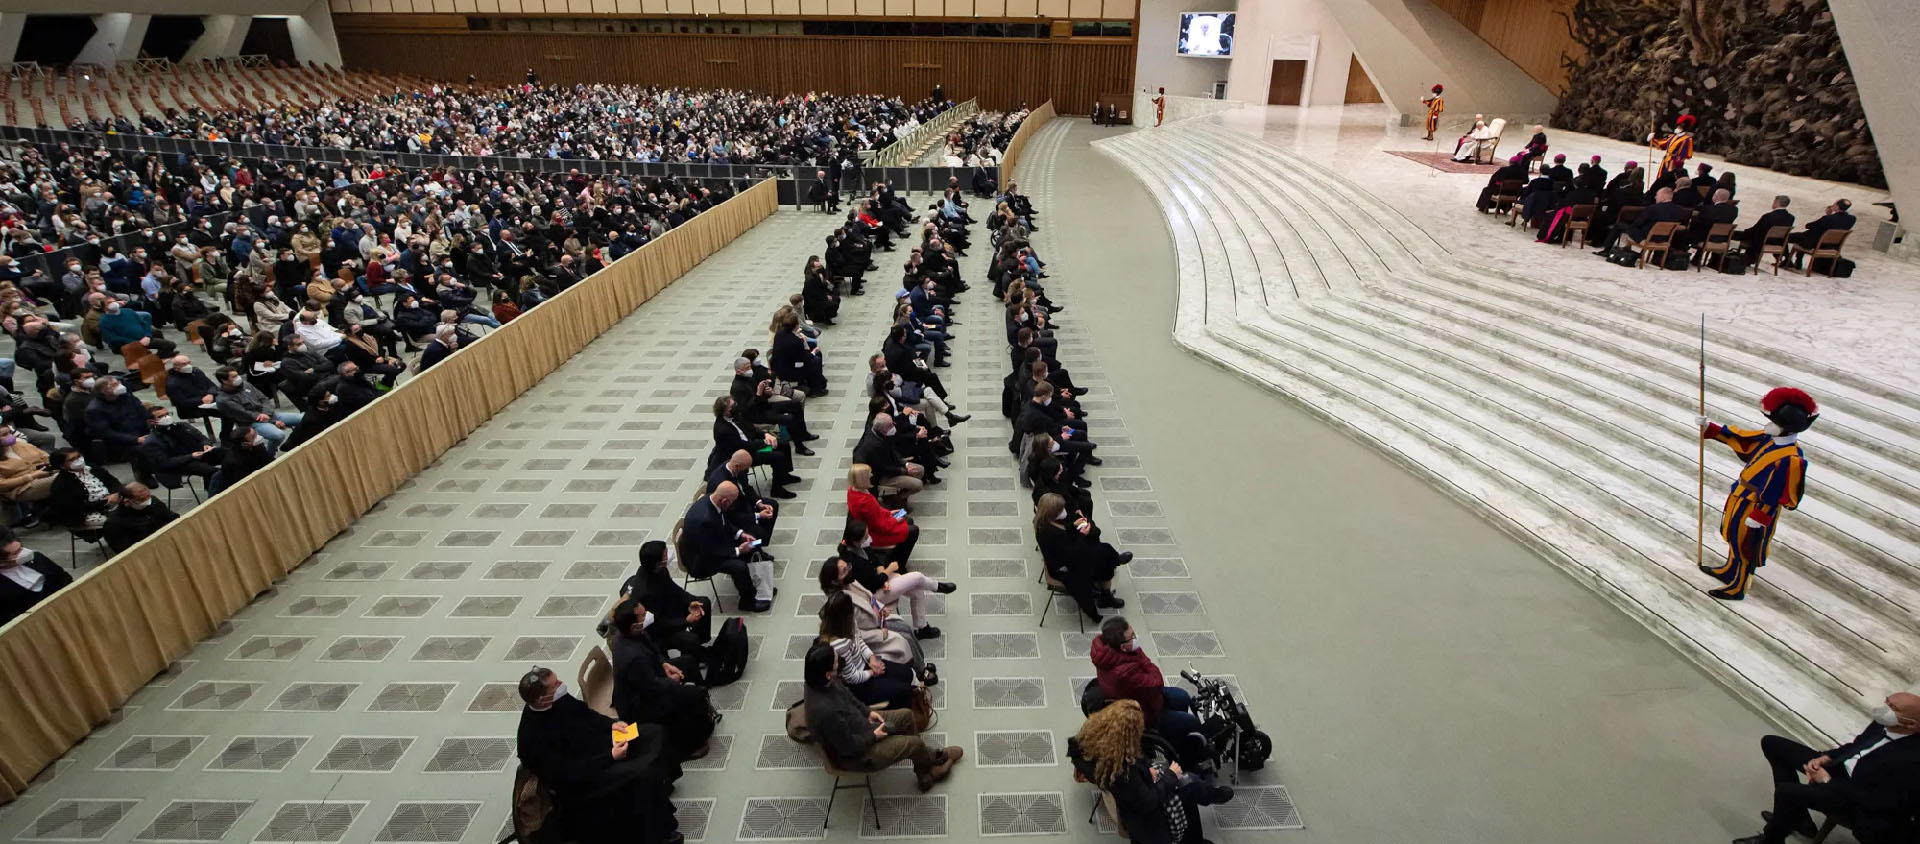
x=1599 y=173
x=754 y=401
x=1663 y=210
x=1873 y=780
x=1836 y=218
x=1704 y=219
x=1703 y=177
x=1558 y=172
x=751 y=512
x=1069 y=433
x=605 y=790
x=26 y=577
x=187 y=387
x=1514 y=171
x=648 y=688
x=711 y=545
x=176 y=449
x=1778 y=216
x=877 y=450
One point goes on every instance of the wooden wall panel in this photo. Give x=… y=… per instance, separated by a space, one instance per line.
x=1360 y=88
x=1000 y=73
x=1530 y=33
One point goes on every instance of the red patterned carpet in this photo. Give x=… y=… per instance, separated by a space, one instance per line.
x=1443 y=162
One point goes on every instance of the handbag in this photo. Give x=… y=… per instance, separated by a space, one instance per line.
x=923 y=714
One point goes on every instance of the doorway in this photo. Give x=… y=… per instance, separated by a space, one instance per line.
x=1288 y=77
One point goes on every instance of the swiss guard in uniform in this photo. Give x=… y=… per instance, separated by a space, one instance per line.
x=1679 y=147
x=1774 y=477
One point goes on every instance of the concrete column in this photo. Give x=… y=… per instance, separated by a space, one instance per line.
x=1408 y=46
x=11 y=24
x=221 y=39
x=116 y=38
x=312 y=35
x=1878 y=36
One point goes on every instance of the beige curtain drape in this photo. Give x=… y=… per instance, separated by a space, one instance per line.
x=77 y=656
x=1036 y=119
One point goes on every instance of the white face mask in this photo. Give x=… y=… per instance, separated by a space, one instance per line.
x=1772 y=429
x=185 y=370
x=647 y=621
x=1885 y=716
x=78 y=466
x=164 y=421
x=87 y=383
x=560 y=691
x=1129 y=646
x=139 y=504
x=1060 y=516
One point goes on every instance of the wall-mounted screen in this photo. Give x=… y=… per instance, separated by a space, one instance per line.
x=1206 y=34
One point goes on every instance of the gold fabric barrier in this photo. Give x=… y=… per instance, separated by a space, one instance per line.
x=78 y=655
x=1035 y=119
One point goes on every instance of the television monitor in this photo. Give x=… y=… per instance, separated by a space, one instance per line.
x=1206 y=34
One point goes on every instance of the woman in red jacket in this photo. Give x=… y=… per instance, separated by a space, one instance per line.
x=1124 y=672
x=890 y=530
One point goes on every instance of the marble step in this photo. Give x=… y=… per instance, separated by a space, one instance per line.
x=1864 y=400
x=1486 y=414
x=1208 y=330
x=1888 y=538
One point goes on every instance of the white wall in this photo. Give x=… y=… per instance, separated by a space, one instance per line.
x=1157 y=65
x=312 y=34
x=1275 y=30
x=1879 y=36
x=116 y=38
x=1409 y=45
x=222 y=38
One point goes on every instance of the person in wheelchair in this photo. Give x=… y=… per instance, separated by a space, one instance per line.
x=1123 y=672
x=1155 y=800
x=604 y=789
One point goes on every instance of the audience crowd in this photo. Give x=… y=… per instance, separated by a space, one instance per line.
x=299 y=294
x=980 y=140
x=1691 y=219
x=865 y=705
x=602 y=122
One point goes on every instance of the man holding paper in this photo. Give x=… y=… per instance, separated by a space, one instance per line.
x=610 y=779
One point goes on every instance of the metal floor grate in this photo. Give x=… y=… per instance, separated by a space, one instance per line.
x=428 y=822
x=303 y=822
x=79 y=820
x=313 y=697
x=194 y=820
x=777 y=752
x=905 y=816
x=1008 y=692
x=1258 y=807
x=1014 y=747
x=1027 y=813
x=257 y=753
x=152 y=753
x=695 y=816
x=1187 y=643
x=783 y=819
x=365 y=754
x=471 y=756
x=1006 y=645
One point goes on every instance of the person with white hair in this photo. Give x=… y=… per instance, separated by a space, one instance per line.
x=446 y=338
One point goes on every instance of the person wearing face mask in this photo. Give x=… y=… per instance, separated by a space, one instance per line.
x=186 y=386
x=80 y=495
x=606 y=790
x=1075 y=555
x=121 y=325
x=116 y=418
x=682 y=623
x=1774 y=477
x=176 y=449
x=649 y=688
x=242 y=403
x=1869 y=782
x=446 y=338
x=1122 y=671
x=135 y=516
x=24 y=476
x=27 y=577
x=1059 y=423
x=269 y=313
x=246 y=452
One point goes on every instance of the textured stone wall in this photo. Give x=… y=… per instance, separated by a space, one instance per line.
x=1766 y=78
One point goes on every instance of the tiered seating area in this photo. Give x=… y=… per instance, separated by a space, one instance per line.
x=61 y=98
x=1564 y=417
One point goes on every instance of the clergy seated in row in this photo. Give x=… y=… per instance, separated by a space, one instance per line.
x=651 y=688
x=610 y=780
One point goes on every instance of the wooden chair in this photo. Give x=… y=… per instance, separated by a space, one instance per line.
x=1774 y=243
x=1056 y=589
x=193 y=332
x=132 y=353
x=1659 y=239
x=154 y=372
x=1719 y=240
x=1580 y=219
x=1506 y=194
x=1827 y=247
x=596 y=682
x=687 y=577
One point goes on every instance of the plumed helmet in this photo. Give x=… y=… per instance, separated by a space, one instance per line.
x=1790 y=408
x=1438 y=88
x=1686 y=121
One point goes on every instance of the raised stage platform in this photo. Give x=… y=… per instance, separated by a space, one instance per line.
x=1559 y=407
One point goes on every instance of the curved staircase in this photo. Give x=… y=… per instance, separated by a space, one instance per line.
x=1564 y=417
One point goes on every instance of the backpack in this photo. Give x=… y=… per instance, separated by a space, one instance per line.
x=1734 y=263
x=1678 y=259
x=727 y=658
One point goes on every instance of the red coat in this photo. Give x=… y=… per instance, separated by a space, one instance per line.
x=1130 y=674
x=883 y=526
